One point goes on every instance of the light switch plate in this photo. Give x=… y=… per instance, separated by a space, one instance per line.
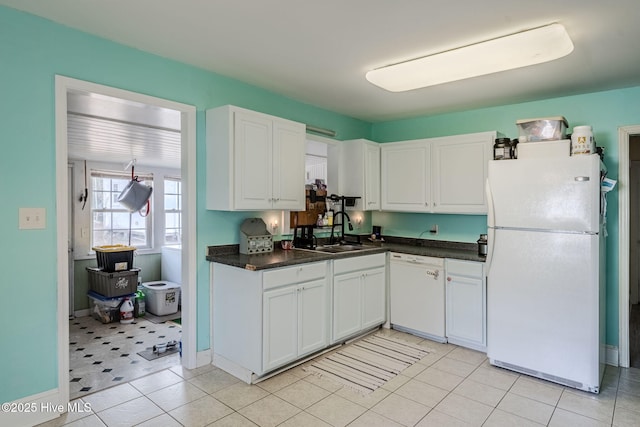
x=32 y=218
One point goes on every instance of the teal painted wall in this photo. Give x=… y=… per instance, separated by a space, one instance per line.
x=604 y=111
x=32 y=52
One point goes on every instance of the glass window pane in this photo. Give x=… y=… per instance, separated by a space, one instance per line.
x=121 y=220
x=172 y=220
x=120 y=237
x=117 y=185
x=101 y=238
x=171 y=202
x=101 y=220
x=138 y=238
x=110 y=220
x=173 y=208
x=172 y=236
x=101 y=200
x=100 y=184
x=170 y=186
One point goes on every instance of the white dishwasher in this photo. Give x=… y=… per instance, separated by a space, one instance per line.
x=417 y=295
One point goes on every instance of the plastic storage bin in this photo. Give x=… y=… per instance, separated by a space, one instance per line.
x=543 y=129
x=104 y=309
x=114 y=257
x=114 y=284
x=161 y=298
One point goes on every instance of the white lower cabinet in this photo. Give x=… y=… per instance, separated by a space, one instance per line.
x=263 y=320
x=466 y=302
x=294 y=322
x=359 y=295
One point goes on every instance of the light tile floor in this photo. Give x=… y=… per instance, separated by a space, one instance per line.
x=452 y=386
x=103 y=355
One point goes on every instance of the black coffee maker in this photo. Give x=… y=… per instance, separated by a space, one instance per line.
x=303 y=237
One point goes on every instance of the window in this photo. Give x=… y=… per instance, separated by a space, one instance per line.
x=172 y=211
x=112 y=223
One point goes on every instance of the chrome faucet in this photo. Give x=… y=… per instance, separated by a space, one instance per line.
x=335 y=216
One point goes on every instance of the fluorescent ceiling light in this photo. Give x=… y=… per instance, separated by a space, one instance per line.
x=505 y=53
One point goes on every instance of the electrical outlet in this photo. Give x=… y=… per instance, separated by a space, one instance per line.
x=32 y=218
x=434 y=229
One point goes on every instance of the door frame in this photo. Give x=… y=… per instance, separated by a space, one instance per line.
x=189 y=244
x=624 y=133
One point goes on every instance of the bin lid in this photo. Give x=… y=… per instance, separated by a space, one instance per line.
x=160 y=285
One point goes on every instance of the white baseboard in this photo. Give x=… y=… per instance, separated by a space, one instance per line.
x=203 y=358
x=233 y=368
x=611 y=355
x=82 y=313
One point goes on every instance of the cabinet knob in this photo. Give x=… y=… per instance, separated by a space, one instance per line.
x=448 y=278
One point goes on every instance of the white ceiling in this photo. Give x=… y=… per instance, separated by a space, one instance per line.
x=318 y=52
x=106 y=129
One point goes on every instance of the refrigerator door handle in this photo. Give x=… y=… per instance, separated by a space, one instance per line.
x=490 y=208
x=491 y=237
x=491 y=224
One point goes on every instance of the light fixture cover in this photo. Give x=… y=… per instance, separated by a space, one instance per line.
x=517 y=50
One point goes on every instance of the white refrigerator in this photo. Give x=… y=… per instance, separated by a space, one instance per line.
x=546 y=269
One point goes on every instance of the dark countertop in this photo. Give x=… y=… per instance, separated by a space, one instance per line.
x=229 y=254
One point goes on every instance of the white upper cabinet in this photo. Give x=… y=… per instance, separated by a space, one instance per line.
x=361 y=172
x=254 y=161
x=405 y=177
x=459 y=173
x=440 y=175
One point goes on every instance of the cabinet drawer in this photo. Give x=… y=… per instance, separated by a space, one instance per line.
x=464 y=268
x=358 y=263
x=296 y=274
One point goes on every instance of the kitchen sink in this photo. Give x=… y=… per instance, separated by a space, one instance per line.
x=334 y=249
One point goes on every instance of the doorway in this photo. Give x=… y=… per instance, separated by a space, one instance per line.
x=187 y=118
x=634 y=251
x=626 y=137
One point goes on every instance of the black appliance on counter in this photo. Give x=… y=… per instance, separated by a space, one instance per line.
x=303 y=237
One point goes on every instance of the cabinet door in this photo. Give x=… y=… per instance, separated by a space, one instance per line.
x=466 y=310
x=288 y=165
x=312 y=316
x=372 y=177
x=253 y=156
x=459 y=173
x=373 y=297
x=347 y=305
x=405 y=178
x=280 y=327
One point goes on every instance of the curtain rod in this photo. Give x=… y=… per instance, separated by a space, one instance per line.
x=323 y=131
